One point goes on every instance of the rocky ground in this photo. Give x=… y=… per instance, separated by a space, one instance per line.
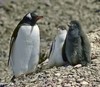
x=56 y=13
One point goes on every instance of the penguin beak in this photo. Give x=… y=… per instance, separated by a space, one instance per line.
x=39 y=17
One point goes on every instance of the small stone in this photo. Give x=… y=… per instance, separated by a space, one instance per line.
x=84 y=83
x=80 y=79
x=59 y=86
x=67 y=85
x=57 y=74
x=70 y=67
x=98 y=85
x=60 y=80
x=47 y=2
x=78 y=66
x=10 y=84
x=73 y=83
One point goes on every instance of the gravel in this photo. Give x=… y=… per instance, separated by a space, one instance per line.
x=56 y=13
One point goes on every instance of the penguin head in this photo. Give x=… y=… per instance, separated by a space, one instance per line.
x=74 y=25
x=61 y=29
x=74 y=29
x=31 y=18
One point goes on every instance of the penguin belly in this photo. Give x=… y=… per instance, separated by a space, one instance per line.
x=27 y=42
x=55 y=58
x=73 y=51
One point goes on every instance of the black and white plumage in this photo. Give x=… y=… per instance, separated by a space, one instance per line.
x=77 y=46
x=25 y=45
x=55 y=55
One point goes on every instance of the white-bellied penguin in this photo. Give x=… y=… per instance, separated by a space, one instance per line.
x=25 y=45
x=55 y=55
x=77 y=46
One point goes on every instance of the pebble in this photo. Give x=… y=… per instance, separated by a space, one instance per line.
x=48 y=2
x=57 y=74
x=78 y=66
x=59 y=86
x=84 y=83
x=67 y=85
x=80 y=79
x=56 y=12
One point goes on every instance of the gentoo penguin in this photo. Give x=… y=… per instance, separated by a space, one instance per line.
x=55 y=55
x=77 y=46
x=25 y=45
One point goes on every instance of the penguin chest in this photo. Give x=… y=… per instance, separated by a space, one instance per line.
x=74 y=50
x=29 y=40
x=25 y=49
x=57 y=49
x=29 y=35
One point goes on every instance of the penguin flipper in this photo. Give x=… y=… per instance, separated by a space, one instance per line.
x=13 y=38
x=51 y=61
x=11 y=47
x=86 y=48
x=52 y=47
x=63 y=52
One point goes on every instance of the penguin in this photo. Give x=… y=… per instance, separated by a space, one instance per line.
x=25 y=46
x=77 y=46
x=55 y=54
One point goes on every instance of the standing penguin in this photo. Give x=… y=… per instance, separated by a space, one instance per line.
x=25 y=45
x=77 y=46
x=55 y=55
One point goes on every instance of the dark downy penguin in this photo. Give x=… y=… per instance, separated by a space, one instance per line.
x=55 y=55
x=25 y=45
x=77 y=46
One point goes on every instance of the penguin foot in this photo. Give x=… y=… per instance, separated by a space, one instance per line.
x=84 y=63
